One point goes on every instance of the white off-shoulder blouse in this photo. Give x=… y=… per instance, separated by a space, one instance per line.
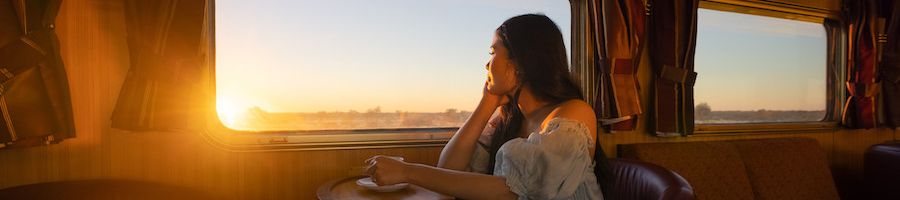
x=554 y=163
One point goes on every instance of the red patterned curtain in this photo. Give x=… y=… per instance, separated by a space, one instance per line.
x=890 y=62
x=618 y=29
x=673 y=34
x=35 y=106
x=167 y=85
x=867 y=20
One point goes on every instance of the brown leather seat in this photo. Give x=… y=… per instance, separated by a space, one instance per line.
x=881 y=174
x=101 y=190
x=642 y=180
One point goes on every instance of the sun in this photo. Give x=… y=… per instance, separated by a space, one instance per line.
x=230 y=110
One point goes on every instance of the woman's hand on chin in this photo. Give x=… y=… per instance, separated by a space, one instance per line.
x=491 y=99
x=385 y=170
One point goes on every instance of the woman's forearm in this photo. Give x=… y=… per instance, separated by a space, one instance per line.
x=458 y=151
x=466 y=185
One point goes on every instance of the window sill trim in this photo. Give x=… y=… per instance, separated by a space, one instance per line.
x=725 y=129
x=244 y=141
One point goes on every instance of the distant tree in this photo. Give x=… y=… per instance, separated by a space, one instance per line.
x=377 y=109
x=451 y=111
x=702 y=110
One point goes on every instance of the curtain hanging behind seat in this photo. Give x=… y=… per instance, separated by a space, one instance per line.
x=166 y=87
x=616 y=32
x=871 y=58
x=35 y=105
x=673 y=38
x=890 y=63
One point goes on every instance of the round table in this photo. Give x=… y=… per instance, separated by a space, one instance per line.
x=346 y=188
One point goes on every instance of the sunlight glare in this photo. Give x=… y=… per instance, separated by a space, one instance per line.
x=229 y=110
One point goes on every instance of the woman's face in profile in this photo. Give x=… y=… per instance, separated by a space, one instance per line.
x=501 y=70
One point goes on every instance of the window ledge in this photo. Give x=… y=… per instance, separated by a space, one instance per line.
x=247 y=141
x=718 y=129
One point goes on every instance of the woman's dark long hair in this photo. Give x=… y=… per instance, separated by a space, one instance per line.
x=536 y=46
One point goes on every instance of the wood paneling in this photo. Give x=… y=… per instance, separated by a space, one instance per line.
x=92 y=33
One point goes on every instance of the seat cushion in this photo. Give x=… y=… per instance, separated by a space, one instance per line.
x=788 y=168
x=714 y=169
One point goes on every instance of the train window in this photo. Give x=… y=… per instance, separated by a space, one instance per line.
x=759 y=69
x=357 y=64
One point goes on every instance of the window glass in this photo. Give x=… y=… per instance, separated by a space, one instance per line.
x=758 y=69
x=357 y=64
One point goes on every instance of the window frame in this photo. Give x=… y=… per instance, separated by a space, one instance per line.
x=216 y=133
x=833 y=93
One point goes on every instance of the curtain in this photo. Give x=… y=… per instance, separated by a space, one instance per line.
x=167 y=85
x=673 y=34
x=617 y=33
x=866 y=27
x=833 y=41
x=890 y=62
x=34 y=93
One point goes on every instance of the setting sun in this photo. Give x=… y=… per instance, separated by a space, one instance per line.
x=229 y=110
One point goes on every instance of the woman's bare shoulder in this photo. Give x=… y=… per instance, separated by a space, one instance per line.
x=575 y=109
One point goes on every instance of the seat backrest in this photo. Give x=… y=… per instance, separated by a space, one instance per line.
x=787 y=168
x=642 y=180
x=771 y=168
x=714 y=169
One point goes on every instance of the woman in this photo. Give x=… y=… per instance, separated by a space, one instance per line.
x=538 y=145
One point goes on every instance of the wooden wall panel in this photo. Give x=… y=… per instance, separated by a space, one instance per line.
x=92 y=33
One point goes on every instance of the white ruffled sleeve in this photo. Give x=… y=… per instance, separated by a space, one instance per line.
x=552 y=164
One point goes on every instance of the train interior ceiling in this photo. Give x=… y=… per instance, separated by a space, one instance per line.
x=228 y=99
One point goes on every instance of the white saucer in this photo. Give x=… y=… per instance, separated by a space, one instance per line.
x=368 y=184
